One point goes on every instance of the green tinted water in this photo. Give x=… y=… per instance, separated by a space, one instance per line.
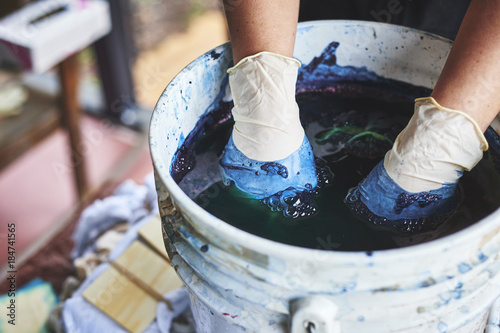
x=351 y=135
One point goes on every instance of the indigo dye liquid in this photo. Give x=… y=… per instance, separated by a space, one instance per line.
x=350 y=133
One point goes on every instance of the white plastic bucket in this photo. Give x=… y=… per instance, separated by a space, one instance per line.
x=241 y=282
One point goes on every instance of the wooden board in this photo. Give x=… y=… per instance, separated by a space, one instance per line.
x=129 y=291
x=151 y=232
x=150 y=267
x=122 y=300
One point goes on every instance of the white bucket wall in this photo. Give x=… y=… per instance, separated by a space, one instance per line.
x=246 y=283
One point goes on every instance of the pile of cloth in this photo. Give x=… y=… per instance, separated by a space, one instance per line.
x=105 y=230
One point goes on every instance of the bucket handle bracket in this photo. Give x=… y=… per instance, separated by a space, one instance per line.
x=314 y=314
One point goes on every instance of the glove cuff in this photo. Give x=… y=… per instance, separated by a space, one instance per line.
x=436 y=146
x=267 y=125
x=479 y=133
x=265 y=54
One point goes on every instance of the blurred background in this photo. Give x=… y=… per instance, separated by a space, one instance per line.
x=69 y=134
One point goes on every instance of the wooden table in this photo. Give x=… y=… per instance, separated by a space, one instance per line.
x=41 y=116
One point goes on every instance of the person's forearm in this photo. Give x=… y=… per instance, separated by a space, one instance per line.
x=262 y=25
x=470 y=81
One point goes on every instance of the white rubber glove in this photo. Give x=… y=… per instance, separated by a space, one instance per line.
x=418 y=176
x=436 y=146
x=266 y=115
x=268 y=151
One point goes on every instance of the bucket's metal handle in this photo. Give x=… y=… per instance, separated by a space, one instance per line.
x=315 y=314
x=493 y=323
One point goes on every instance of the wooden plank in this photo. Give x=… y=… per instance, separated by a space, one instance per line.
x=122 y=300
x=150 y=267
x=129 y=290
x=151 y=232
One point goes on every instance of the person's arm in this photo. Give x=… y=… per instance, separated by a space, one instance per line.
x=268 y=151
x=261 y=25
x=418 y=176
x=470 y=81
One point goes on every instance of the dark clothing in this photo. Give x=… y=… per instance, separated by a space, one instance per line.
x=441 y=17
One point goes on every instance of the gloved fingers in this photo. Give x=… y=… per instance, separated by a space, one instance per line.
x=381 y=201
x=263 y=179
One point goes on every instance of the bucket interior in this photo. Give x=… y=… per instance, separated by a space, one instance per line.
x=349 y=56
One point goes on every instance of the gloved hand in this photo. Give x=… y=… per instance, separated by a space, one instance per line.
x=418 y=176
x=268 y=151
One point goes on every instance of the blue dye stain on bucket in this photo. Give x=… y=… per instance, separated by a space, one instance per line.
x=464 y=268
x=442 y=327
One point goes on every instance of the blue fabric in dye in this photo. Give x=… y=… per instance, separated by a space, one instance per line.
x=263 y=179
x=384 y=198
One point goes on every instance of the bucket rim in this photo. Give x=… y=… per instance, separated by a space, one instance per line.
x=197 y=214
x=304 y=25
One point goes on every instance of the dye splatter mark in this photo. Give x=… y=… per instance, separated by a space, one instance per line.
x=215 y=55
x=427 y=283
x=442 y=327
x=464 y=268
x=227 y=314
x=482 y=257
x=457 y=292
x=204 y=248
